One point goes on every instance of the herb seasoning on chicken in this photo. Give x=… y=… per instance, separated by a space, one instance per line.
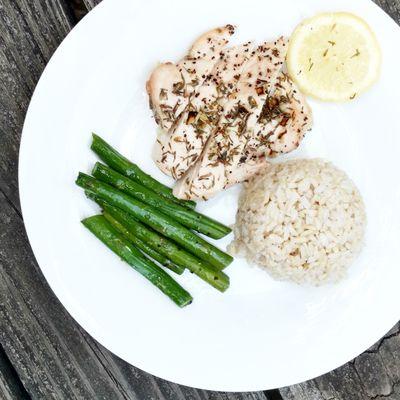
x=223 y=112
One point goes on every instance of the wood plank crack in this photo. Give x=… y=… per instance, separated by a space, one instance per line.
x=393 y=391
x=99 y=355
x=375 y=349
x=17 y=210
x=11 y=387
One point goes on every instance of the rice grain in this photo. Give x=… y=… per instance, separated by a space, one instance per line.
x=302 y=220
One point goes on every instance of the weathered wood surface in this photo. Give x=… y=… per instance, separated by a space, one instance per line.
x=10 y=385
x=43 y=352
x=91 y=3
x=373 y=375
x=30 y=31
x=392 y=7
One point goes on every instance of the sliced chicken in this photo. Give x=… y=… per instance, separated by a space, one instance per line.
x=170 y=85
x=223 y=112
x=165 y=90
x=202 y=57
x=221 y=164
x=180 y=148
x=296 y=117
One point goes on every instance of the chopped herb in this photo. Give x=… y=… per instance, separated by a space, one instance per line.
x=205 y=176
x=260 y=90
x=275 y=52
x=252 y=102
x=271 y=110
x=311 y=64
x=222 y=89
x=191 y=117
x=163 y=94
x=177 y=88
x=284 y=121
x=194 y=82
x=264 y=139
x=356 y=54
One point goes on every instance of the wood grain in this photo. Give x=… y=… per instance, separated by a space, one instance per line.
x=30 y=31
x=53 y=357
x=10 y=385
x=90 y=4
x=392 y=7
x=373 y=375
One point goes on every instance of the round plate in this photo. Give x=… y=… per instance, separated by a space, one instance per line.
x=261 y=333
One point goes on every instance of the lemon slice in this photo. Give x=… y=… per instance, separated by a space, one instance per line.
x=334 y=56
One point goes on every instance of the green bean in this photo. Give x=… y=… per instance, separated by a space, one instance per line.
x=180 y=257
x=160 y=222
x=144 y=247
x=189 y=218
x=121 y=164
x=104 y=231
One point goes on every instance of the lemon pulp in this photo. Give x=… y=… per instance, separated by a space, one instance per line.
x=334 y=56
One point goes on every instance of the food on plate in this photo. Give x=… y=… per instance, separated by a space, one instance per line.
x=154 y=218
x=238 y=149
x=104 y=231
x=227 y=110
x=170 y=85
x=223 y=113
x=334 y=56
x=171 y=88
x=168 y=248
x=144 y=223
x=121 y=164
x=142 y=244
x=189 y=218
x=301 y=220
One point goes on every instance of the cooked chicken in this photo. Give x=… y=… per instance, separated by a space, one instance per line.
x=170 y=85
x=231 y=111
x=203 y=55
x=166 y=100
x=284 y=120
x=222 y=161
x=180 y=147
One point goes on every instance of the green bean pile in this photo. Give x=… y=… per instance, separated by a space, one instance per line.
x=146 y=226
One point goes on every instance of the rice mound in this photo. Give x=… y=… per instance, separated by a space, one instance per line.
x=302 y=220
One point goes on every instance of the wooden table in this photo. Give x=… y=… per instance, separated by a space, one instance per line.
x=44 y=354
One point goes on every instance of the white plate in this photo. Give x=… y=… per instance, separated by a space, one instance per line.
x=261 y=334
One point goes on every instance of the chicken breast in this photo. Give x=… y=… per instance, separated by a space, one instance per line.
x=180 y=148
x=166 y=98
x=295 y=119
x=282 y=123
x=221 y=164
x=224 y=112
x=202 y=57
x=170 y=85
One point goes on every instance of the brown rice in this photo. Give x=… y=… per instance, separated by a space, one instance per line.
x=302 y=220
